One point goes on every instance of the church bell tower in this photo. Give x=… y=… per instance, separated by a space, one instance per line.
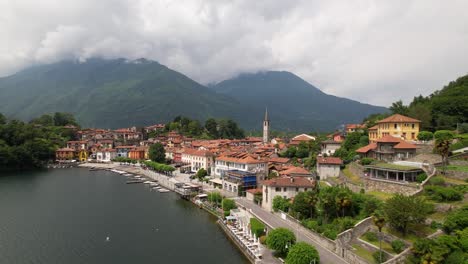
x=266 y=127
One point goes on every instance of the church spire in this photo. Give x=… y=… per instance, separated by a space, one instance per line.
x=266 y=114
x=266 y=127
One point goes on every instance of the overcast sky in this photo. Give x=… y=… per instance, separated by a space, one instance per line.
x=372 y=51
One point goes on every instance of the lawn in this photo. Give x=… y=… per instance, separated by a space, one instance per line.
x=324 y=184
x=454 y=181
x=393 y=166
x=380 y=195
x=351 y=177
x=414 y=232
x=363 y=253
x=385 y=246
x=457 y=168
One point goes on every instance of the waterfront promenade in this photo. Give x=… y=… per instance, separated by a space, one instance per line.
x=274 y=221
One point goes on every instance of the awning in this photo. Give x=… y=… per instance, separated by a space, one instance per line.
x=230 y=217
x=217 y=181
x=202 y=195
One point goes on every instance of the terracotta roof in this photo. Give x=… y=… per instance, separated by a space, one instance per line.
x=405 y=145
x=279 y=160
x=374 y=127
x=329 y=160
x=240 y=158
x=254 y=191
x=397 y=118
x=290 y=182
x=389 y=139
x=196 y=152
x=76 y=142
x=351 y=126
x=295 y=170
x=124 y=147
x=367 y=148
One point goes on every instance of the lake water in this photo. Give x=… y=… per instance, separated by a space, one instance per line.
x=64 y=216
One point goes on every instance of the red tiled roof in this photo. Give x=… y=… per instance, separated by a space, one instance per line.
x=367 y=148
x=65 y=149
x=294 y=170
x=240 y=158
x=290 y=182
x=374 y=127
x=279 y=160
x=329 y=160
x=389 y=139
x=303 y=137
x=124 y=147
x=405 y=145
x=196 y=152
x=254 y=191
x=397 y=118
x=354 y=126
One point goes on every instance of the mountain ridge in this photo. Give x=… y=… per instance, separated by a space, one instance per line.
x=120 y=92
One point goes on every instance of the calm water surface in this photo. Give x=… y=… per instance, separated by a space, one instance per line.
x=65 y=215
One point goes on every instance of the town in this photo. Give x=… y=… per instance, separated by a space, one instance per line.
x=331 y=192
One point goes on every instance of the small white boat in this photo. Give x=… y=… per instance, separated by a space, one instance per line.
x=147 y=182
x=153 y=184
x=163 y=190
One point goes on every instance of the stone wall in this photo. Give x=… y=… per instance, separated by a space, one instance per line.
x=343 y=240
x=389 y=186
x=356 y=169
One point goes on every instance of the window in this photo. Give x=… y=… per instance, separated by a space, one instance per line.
x=412 y=126
x=277 y=189
x=297 y=189
x=305 y=189
x=284 y=189
x=396 y=126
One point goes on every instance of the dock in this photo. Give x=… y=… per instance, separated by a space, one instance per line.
x=134 y=181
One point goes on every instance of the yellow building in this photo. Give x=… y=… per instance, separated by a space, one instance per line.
x=399 y=126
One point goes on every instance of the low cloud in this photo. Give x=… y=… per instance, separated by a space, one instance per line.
x=373 y=51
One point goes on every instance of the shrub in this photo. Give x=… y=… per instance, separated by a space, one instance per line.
x=435 y=225
x=278 y=238
x=302 y=253
x=438 y=180
x=398 y=245
x=280 y=203
x=443 y=135
x=425 y=136
x=366 y=161
x=443 y=194
x=371 y=236
x=312 y=224
x=330 y=232
x=257 y=227
x=263 y=240
x=228 y=204
x=343 y=224
x=421 y=177
x=456 y=220
x=376 y=255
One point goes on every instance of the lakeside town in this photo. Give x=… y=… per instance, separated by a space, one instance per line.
x=362 y=194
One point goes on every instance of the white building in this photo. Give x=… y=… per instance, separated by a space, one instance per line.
x=266 y=128
x=240 y=161
x=328 y=167
x=286 y=187
x=198 y=159
x=329 y=147
x=106 y=155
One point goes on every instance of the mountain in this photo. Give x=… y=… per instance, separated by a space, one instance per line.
x=292 y=102
x=110 y=93
x=120 y=93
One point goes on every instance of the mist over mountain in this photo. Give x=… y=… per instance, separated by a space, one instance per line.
x=119 y=93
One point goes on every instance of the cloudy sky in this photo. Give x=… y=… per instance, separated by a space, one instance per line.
x=372 y=51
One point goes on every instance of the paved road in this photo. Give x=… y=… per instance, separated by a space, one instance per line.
x=326 y=256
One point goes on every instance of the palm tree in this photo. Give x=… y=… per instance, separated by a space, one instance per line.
x=443 y=148
x=379 y=221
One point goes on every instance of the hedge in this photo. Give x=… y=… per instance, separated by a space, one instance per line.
x=257 y=227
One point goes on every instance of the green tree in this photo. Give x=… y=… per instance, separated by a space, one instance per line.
x=302 y=253
x=402 y=211
x=456 y=220
x=215 y=198
x=443 y=140
x=63 y=119
x=304 y=204
x=379 y=221
x=228 y=204
x=201 y=173
x=45 y=120
x=425 y=136
x=280 y=203
x=399 y=108
x=3 y=119
x=157 y=153
x=280 y=240
x=212 y=127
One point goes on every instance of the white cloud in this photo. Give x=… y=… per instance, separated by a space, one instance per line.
x=372 y=51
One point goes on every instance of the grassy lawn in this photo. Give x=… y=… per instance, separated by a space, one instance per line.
x=454 y=181
x=385 y=246
x=351 y=177
x=414 y=232
x=393 y=166
x=380 y=195
x=363 y=253
x=456 y=168
x=438 y=216
x=324 y=184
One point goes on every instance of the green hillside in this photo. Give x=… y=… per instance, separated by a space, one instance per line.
x=120 y=93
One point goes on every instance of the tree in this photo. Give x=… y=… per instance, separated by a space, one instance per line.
x=63 y=119
x=280 y=203
x=157 y=153
x=425 y=136
x=402 y=211
x=304 y=204
x=343 y=200
x=3 y=119
x=379 y=221
x=443 y=139
x=212 y=127
x=399 y=108
x=228 y=204
x=215 y=198
x=280 y=240
x=201 y=173
x=456 y=220
x=45 y=120
x=302 y=253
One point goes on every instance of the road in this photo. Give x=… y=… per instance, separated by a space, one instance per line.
x=326 y=256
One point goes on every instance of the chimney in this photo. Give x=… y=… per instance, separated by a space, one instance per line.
x=292 y=179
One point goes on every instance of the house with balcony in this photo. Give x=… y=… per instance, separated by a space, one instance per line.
x=286 y=187
x=197 y=159
x=238 y=182
x=64 y=154
x=106 y=155
x=240 y=161
x=122 y=151
x=388 y=148
x=328 y=147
